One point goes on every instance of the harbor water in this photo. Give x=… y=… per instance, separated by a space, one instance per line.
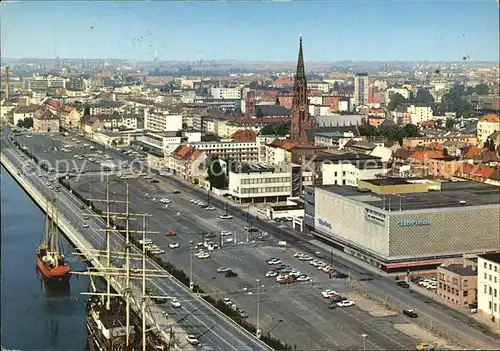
x=35 y=315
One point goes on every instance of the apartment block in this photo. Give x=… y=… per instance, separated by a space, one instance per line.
x=226 y=93
x=241 y=151
x=457 y=283
x=488 y=286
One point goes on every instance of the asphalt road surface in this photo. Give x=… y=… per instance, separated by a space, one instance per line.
x=306 y=320
x=194 y=316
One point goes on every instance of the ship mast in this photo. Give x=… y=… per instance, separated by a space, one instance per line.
x=56 y=235
x=143 y=300
x=47 y=223
x=127 y=266
x=108 y=250
x=52 y=228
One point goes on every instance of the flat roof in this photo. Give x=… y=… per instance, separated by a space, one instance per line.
x=474 y=194
x=494 y=256
x=460 y=269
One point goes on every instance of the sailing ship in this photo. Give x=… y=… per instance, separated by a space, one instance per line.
x=50 y=259
x=112 y=324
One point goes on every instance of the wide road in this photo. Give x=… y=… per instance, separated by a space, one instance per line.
x=306 y=320
x=194 y=316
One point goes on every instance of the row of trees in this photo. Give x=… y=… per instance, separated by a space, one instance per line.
x=276 y=129
x=390 y=132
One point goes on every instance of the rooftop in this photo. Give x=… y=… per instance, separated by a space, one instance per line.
x=460 y=269
x=494 y=256
x=451 y=195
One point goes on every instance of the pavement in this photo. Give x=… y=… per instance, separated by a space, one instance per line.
x=307 y=322
x=195 y=316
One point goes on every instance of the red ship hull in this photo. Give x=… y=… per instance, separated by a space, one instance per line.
x=56 y=273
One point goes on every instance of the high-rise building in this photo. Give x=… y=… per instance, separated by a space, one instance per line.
x=361 y=89
x=301 y=119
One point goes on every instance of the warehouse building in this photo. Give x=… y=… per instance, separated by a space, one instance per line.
x=405 y=225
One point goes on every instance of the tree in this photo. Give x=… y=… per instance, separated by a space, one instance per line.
x=449 y=123
x=490 y=145
x=438 y=123
x=28 y=122
x=20 y=123
x=480 y=89
x=453 y=102
x=86 y=111
x=396 y=100
x=216 y=176
x=445 y=152
x=276 y=129
x=259 y=113
x=423 y=96
x=277 y=102
x=410 y=131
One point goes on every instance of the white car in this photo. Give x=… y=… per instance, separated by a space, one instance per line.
x=281 y=277
x=305 y=258
x=174 y=245
x=225 y=233
x=210 y=208
x=227 y=301
x=203 y=255
x=345 y=303
x=271 y=274
x=146 y=241
x=298 y=255
x=274 y=262
x=326 y=269
x=175 y=303
x=328 y=293
x=157 y=251
x=303 y=278
x=226 y=217
x=222 y=270
x=229 y=240
x=193 y=201
x=85 y=225
x=295 y=273
x=190 y=338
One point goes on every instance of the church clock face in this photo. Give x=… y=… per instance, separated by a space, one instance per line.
x=302 y=107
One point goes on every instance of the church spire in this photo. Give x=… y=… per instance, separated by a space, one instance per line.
x=301 y=72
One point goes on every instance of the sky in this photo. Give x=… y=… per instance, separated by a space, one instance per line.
x=335 y=30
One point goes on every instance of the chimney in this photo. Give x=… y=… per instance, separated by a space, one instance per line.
x=113 y=97
x=6 y=83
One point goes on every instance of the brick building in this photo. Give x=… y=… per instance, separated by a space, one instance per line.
x=457 y=283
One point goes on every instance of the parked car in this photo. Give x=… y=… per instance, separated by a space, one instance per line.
x=223 y=270
x=190 y=338
x=345 y=303
x=230 y=274
x=403 y=284
x=424 y=347
x=410 y=313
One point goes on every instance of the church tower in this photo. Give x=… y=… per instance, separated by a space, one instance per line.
x=300 y=105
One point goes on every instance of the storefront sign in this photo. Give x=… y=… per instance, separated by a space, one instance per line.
x=414 y=222
x=324 y=223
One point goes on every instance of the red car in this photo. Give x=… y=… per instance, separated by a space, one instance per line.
x=170 y=233
x=286 y=281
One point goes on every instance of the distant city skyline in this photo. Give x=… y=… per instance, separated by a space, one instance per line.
x=252 y=31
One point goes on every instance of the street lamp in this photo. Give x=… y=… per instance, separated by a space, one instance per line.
x=191 y=283
x=364 y=341
x=270 y=330
x=257 y=332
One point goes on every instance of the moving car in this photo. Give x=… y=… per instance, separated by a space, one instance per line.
x=190 y=338
x=223 y=270
x=176 y=192
x=174 y=245
x=210 y=208
x=85 y=225
x=170 y=233
x=345 y=303
x=403 y=284
x=175 y=303
x=225 y=233
x=203 y=255
x=226 y=217
x=410 y=313
x=146 y=241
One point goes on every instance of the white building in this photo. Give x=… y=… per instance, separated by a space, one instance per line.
x=319 y=110
x=318 y=85
x=316 y=100
x=161 y=142
x=488 y=286
x=241 y=151
x=262 y=141
x=420 y=114
x=361 y=89
x=349 y=169
x=225 y=93
x=343 y=105
x=486 y=126
x=162 y=121
x=391 y=91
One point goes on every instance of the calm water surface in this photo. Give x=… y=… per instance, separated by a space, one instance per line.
x=35 y=316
